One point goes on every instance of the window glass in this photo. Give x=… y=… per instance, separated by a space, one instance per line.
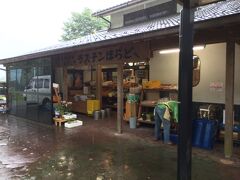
x=38 y=83
x=30 y=85
x=12 y=103
x=26 y=96
x=46 y=83
x=44 y=94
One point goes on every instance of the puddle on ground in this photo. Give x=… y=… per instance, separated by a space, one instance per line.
x=15 y=161
x=3 y=142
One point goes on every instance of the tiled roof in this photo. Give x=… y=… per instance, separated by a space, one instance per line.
x=208 y=12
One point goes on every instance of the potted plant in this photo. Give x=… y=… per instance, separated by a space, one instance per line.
x=62 y=108
x=63 y=111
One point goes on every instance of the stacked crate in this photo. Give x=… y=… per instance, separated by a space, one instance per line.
x=92 y=105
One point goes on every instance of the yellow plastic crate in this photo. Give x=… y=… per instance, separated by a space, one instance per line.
x=152 y=84
x=92 y=105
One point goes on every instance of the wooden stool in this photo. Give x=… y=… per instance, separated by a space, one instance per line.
x=59 y=121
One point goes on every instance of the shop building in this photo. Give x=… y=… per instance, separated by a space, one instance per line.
x=138 y=34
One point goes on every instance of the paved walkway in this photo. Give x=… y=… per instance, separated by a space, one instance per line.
x=94 y=151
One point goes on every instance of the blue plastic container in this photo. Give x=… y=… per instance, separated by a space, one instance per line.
x=209 y=134
x=198 y=132
x=174 y=138
x=204 y=131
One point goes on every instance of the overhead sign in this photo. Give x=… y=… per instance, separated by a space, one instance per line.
x=111 y=55
x=154 y=12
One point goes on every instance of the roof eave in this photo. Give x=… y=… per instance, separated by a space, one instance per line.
x=110 y=10
x=54 y=52
x=163 y=32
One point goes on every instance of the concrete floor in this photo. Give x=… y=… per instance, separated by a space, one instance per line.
x=94 y=151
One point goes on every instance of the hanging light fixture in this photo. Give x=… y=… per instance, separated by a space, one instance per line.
x=177 y=50
x=130 y=63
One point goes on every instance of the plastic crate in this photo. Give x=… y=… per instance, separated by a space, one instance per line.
x=92 y=105
x=152 y=84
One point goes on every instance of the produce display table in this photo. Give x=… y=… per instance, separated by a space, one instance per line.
x=59 y=121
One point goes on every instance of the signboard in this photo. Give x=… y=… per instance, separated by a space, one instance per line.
x=154 y=12
x=216 y=86
x=112 y=55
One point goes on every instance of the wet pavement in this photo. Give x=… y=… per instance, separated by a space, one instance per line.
x=95 y=151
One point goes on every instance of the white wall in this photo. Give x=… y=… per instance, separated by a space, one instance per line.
x=117 y=18
x=237 y=75
x=164 y=67
x=213 y=61
x=179 y=8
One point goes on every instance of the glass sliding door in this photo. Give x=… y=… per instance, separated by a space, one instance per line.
x=12 y=78
x=30 y=89
x=45 y=91
x=31 y=92
x=20 y=86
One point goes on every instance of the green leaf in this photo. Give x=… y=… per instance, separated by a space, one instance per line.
x=82 y=24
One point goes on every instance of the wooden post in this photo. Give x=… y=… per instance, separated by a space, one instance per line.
x=65 y=86
x=185 y=92
x=99 y=83
x=91 y=67
x=119 y=98
x=229 y=98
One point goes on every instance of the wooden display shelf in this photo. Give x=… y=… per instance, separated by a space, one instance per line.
x=160 y=89
x=149 y=102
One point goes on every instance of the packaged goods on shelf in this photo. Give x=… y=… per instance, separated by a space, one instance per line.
x=152 y=84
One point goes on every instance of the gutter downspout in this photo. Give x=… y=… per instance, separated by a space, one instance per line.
x=109 y=22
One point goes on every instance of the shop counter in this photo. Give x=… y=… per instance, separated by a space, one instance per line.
x=79 y=106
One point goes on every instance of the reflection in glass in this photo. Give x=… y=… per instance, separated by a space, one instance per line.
x=20 y=86
x=45 y=92
x=12 y=76
x=30 y=90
